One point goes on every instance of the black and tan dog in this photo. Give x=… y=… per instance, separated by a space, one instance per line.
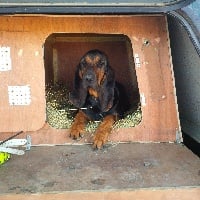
x=97 y=95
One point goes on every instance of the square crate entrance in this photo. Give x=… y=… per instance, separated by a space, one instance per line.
x=48 y=48
x=63 y=53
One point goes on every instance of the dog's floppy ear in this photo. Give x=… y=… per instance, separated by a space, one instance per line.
x=78 y=96
x=107 y=90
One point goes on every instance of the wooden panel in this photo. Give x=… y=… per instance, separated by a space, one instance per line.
x=27 y=69
x=26 y=36
x=184 y=193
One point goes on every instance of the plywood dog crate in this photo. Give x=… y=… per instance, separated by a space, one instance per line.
x=36 y=50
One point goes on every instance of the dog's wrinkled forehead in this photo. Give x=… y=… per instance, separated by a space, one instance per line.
x=94 y=58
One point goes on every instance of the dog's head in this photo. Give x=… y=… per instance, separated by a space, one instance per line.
x=93 y=67
x=94 y=74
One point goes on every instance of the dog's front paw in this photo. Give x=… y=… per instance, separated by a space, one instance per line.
x=76 y=132
x=100 y=139
x=78 y=126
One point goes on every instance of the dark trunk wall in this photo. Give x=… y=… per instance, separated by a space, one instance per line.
x=186 y=64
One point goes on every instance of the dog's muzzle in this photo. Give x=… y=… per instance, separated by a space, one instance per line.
x=90 y=77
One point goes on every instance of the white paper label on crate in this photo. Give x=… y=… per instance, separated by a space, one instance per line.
x=137 y=60
x=19 y=95
x=142 y=99
x=5 y=59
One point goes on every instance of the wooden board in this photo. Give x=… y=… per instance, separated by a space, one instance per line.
x=26 y=35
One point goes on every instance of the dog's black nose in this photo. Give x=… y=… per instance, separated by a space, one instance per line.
x=89 y=77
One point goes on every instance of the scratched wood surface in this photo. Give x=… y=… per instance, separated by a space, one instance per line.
x=26 y=36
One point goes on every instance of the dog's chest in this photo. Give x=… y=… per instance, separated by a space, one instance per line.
x=92 y=92
x=92 y=100
x=92 y=105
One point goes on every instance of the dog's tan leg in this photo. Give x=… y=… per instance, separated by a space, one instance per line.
x=77 y=129
x=102 y=132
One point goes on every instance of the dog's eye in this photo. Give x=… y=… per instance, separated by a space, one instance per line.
x=101 y=63
x=83 y=64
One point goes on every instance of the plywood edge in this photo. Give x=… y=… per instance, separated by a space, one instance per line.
x=179 y=136
x=176 y=193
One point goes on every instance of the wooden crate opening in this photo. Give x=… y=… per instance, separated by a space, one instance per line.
x=62 y=53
